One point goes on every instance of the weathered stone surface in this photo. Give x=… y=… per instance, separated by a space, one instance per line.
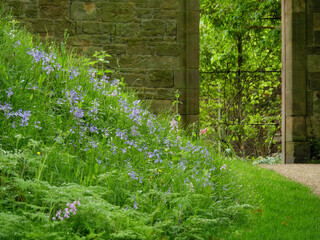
x=314 y=78
x=299 y=6
x=148 y=41
x=168 y=49
x=296 y=129
x=164 y=14
x=131 y=30
x=313 y=6
x=80 y=40
x=43 y=26
x=297 y=152
x=314 y=63
x=118 y=12
x=83 y=11
x=316 y=21
x=60 y=26
x=160 y=78
x=98 y=27
x=54 y=11
x=296 y=102
x=31 y=11
x=139 y=47
x=170 y=4
x=161 y=106
x=171 y=29
x=154 y=3
x=153 y=28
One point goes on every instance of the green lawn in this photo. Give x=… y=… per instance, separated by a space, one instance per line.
x=287 y=210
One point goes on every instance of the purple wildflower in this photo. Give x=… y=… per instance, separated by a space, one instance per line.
x=9 y=92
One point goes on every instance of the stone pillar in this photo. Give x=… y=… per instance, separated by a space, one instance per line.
x=187 y=80
x=301 y=78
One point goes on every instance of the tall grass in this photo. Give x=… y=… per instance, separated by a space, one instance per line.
x=81 y=158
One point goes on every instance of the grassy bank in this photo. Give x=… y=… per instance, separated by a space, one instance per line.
x=82 y=158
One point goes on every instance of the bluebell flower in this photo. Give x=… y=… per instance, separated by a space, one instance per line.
x=9 y=92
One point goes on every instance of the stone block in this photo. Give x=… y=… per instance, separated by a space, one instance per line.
x=165 y=94
x=316 y=21
x=150 y=93
x=50 y=2
x=80 y=40
x=314 y=79
x=154 y=3
x=309 y=103
x=134 y=79
x=309 y=29
x=295 y=64
x=297 y=152
x=190 y=100
x=160 y=78
x=161 y=107
x=101 y=39
x=83 y=11
x=158 y=62
x=94 y=27
x=139 y=47
x=297 y=80
x=90 y=50
x=128 y=30
x=140 y=3
x=61 y=26
x=168 y=49
x=170 y=4
x=54 y=11
x=43 y=26
x=143 y=13
x=298 y=6
x=193 y=58
x=17 y=8
x=186 y=78
x=171 y=29
x=296 y=129
x=316 y=37
x=164 y=14
x=193 y=5
x=296 y=29
x=151 y=28
x=31 y=11
x=313 y=50
x=316 y=101
x=295 y=103
x=313 y=126
x=115 y=49
x=118 y=12
x=313 y=62
x=313 y=6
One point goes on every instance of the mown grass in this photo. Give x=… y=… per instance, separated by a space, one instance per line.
x=81 y=158
x=287 y=210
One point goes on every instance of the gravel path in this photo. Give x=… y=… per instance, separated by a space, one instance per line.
x=308 y=174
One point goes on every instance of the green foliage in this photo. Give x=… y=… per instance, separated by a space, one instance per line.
x=275 y=159
x=72 y=135
x=240 y=81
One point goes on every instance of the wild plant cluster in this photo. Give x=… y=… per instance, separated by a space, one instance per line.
x=82 y=158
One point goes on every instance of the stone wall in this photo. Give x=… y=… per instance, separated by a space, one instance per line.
x=154 y=42
x=301 y=79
